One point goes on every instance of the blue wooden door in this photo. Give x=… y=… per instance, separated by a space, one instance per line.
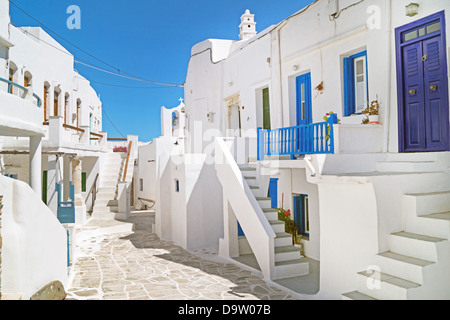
x=273 y=192
x=423 y=86
x=304 y=112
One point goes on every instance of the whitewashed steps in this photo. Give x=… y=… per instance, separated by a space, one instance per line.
x=106 y=204
x=383 y=286
x=288 y=262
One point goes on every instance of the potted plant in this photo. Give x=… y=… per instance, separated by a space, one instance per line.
x=290 y=226
x=372 y=113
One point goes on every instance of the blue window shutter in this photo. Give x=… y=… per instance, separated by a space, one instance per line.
x=349 y=87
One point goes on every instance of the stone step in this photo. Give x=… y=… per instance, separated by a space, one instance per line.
x=287 y=253
x=110 y=183
x=290 y=268
x=277 y=226
x=402 y=266
x=103 y=215
x=251 y=181
x=415 y=245
x=356 y=295
x=382 y=286
x=109 y=189
x=264 y=202
x=283 y=239
x=430 y=203
x=271 y=214
x=434 y=225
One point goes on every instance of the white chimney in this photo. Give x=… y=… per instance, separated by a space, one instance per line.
x=247 y=26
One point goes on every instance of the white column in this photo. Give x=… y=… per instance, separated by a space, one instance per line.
x=80 y=205
x=36 y=164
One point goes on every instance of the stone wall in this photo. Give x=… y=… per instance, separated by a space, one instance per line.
x=1 y=205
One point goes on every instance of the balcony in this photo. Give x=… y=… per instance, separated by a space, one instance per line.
x=317 y=138
x=20 y=110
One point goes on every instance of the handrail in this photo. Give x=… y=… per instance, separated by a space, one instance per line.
x=13 y=84
x=117 y=139
x=128 y=159
x=96 y=135
x=67 y=126
x=316 y=138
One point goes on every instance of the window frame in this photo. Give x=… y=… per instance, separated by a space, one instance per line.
x=302 y=214
x=350 y=90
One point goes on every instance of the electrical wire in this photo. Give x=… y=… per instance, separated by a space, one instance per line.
x=118 y=71
x=115 y=127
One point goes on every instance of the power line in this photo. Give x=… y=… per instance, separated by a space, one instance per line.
x=103 y=110
x=118 y=73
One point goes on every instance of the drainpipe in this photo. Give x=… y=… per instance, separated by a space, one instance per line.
x=310 y=166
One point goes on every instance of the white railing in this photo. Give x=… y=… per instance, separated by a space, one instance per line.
x=239 y=197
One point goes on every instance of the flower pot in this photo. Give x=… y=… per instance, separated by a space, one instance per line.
x=374 y=119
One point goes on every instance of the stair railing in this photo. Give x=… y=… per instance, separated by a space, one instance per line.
x=126 y=163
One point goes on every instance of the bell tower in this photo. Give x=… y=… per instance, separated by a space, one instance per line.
x=247 y=26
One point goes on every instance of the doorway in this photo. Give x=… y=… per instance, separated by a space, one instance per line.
x=422 y=77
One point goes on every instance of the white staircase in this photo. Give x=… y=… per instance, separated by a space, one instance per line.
x=417 y=264
x=106 y=205
x=288 y=260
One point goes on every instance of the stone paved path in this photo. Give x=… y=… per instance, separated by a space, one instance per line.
x=137 y=265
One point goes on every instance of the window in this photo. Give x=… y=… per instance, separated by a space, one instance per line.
x=301 y=214
x=266 y=109
x=83 y=182
x=56 y=103
x=355 y=84
x=141 y=185
x=177 y=185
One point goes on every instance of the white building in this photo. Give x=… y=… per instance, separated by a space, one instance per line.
x=371 y=201
x=51 y=138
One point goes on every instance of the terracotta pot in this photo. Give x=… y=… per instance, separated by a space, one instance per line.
x=374 y=119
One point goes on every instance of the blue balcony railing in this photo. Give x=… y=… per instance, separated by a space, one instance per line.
x=317 y=138
x=11 y=85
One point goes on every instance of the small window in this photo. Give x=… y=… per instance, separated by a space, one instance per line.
x=177 y=185
x=83 y=181
x=356 y=90
x=141 y=185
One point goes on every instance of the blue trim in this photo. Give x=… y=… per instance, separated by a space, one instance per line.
x=300 y=214
x=66 y=209
x=316 y=138
x=306 y=80
x=13 y=84
x=399 y=43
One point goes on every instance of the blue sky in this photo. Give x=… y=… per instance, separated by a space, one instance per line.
x=147 y=38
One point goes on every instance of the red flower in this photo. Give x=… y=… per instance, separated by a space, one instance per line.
x=287 y=213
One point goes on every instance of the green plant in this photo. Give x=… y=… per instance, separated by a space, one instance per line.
x=290 y=226
x=373 y=110
x=325 y=118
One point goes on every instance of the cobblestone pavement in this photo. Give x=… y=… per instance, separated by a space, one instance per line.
x=137 y=265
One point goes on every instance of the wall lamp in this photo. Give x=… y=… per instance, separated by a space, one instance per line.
x=412 y=9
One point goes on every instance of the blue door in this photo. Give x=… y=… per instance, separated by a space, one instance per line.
x=301 y=214
x=423 y=86
x=273 y=192
x=304 y=112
